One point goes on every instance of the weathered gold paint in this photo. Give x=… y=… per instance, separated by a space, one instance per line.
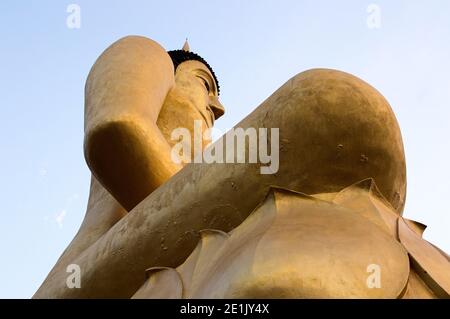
x=335 y=130
x=291 y=246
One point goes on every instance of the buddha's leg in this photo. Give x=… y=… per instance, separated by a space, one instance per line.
x=334 y=130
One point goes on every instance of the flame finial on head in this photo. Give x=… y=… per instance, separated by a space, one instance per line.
x=186 y=46
x=185 y=54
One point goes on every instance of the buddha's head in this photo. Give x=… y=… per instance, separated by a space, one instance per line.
x=194 y=96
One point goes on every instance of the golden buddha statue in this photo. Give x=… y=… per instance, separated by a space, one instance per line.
x=316 y=227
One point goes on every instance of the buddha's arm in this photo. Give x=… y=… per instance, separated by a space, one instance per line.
x=122 y=68
x=124 y=93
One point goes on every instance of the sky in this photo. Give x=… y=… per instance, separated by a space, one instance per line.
x=400 y=47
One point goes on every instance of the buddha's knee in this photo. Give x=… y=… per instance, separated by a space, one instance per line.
x=334 y=130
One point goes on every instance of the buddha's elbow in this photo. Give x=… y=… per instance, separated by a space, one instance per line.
x=115 y=152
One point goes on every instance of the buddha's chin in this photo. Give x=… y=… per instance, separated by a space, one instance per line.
x=191 y=119
x=180 y=115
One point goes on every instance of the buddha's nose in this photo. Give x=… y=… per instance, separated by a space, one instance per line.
x=216 y=107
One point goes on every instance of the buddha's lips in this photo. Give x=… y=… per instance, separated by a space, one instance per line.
x=204 y=118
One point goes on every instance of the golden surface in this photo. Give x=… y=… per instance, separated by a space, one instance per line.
x=292 y=246
x=335 y=131
x=431 y=265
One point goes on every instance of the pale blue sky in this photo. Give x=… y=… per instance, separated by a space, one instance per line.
x=253 y=46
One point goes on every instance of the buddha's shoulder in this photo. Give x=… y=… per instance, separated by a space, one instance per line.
x=136 y=41
x=130 y=53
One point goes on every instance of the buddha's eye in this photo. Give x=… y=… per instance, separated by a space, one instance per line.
x=206 y=84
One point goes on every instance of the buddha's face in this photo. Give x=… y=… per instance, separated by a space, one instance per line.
x=194 y=97
x=194 y=80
